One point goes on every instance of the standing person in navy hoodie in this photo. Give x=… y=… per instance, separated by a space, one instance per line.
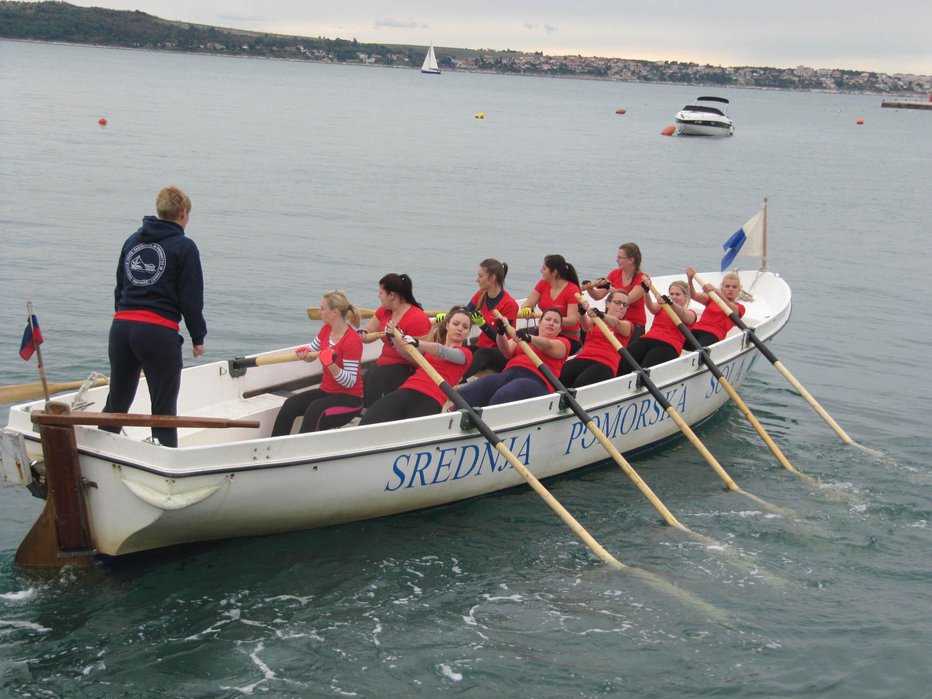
x=158 y=282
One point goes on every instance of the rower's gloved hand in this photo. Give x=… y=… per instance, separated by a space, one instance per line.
x=326 y=356
x=362 y=333
x=413 y=341
x=585 y=283
x=645 y=285
x=523 y=334
x=500 y=327
x=440 y=317
x=595 y=313
x=666 y=299
x=604 y=284
x=526 y=312
x=581 y=307
x=477 y=319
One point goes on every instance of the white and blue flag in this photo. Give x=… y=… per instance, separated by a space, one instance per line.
x=747 y=241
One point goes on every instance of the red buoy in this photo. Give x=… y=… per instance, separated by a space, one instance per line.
x=102 y=121
x=668 y=130
x=621 y=110
x=860 y=120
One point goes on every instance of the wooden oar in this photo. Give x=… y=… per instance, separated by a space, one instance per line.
x=750 y=334
x=497 y=443
x=726 y=384
x=616 y=455
x=551 y=501
x=593 y=428
x=678 y=419
x=314 y=313
x=30 y=391
x=289 y=356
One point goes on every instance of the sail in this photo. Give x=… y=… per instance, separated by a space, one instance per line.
x=430 y=62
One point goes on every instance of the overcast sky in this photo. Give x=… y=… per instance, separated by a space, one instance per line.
x=890 y=37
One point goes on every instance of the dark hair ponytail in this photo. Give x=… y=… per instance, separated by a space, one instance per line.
x=401 y=286
x=564 y=270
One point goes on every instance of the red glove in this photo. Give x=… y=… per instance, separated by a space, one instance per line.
x=326 y=356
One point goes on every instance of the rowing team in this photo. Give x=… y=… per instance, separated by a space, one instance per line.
x=395 y=388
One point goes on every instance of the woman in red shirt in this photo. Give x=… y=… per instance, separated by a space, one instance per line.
x=626 y=277
x=598 y=360
x=663 y=341
x=490 y=297
x=557 y=288
x=521 y=378
x=339 y=397
x=713 y=324
x=398 y=305
x=420 y=395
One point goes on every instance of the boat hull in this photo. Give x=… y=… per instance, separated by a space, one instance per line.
x=703 y=127
x=228 y=483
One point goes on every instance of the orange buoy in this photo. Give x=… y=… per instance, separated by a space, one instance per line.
x=668 y=130
x=860 y=120
x=102 y=121
x=621 y=110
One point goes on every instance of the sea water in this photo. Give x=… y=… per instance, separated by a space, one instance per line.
x=306 y=177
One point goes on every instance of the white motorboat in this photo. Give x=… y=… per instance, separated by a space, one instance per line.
x=222 y=483
x=430 y=62
x=705 y=118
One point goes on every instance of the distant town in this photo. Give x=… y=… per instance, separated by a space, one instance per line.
x=62 y=22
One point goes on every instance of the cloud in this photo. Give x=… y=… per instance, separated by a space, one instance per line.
x=392 y=23
x=549 y=28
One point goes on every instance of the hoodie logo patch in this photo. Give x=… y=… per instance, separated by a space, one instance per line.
x=144 y=264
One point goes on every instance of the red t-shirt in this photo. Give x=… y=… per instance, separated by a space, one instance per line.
x=414 y=322
x=452 y=373
x=348 y=348
x=714 y=320
x=520 y=359
x=664 y=329
x=562 y=300
x=598 y=349
x=636 y=313
x=507 y=306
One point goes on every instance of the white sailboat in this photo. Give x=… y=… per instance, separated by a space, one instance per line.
x=430 y=62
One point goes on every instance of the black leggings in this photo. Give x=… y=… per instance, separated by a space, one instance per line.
x=399 y=405
x=383 y=379
x=582 y=372
x=705 y=338
x=490 y=358
x=321 y=411
x=647 y=351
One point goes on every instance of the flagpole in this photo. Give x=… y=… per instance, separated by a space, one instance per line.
x=763 y=259
x=45 y=384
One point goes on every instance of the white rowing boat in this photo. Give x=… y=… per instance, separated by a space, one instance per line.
x=241 y=482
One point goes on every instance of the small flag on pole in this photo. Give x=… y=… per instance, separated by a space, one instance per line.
x=32 y=337
x=747 y=241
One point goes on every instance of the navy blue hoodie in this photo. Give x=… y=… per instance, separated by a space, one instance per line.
x=160 y=271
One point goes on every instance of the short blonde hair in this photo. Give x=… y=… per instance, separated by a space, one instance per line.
x=171 y=203
x=732 y=275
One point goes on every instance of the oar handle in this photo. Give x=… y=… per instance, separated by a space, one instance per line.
x=496 y=442
x=772 y=358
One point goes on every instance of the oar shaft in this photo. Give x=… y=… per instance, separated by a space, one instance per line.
x=30 y=391
x=496 y=441
x=726 y=384
x=594 y=429
x=665 y=404
x=772 y=358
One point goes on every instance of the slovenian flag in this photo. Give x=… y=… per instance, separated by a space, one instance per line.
x=747 y=241
x=32 y=337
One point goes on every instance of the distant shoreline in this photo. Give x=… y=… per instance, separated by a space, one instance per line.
x=473 y=71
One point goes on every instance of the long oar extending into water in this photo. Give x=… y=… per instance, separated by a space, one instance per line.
x=662 y=401
x=722 y=380
x=610 y=448
x=551 y=501
x=749 y=333
x=594 y=429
